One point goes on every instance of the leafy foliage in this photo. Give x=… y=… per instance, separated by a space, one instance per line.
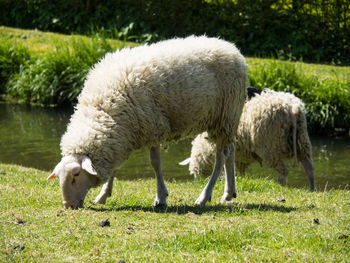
x=314 y=30
x=11 y=59
x=57 y=77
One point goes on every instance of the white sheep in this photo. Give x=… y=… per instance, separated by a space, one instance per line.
x=272 y=128
x=146 y=96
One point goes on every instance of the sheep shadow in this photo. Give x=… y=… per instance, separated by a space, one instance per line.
x=235 y=208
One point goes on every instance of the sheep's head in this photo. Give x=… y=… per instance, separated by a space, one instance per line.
x=76 y=175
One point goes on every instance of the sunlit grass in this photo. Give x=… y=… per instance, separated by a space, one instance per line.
x=322 y=72
x=258 y=226
x=38 y=42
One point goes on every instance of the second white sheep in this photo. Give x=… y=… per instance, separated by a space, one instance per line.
x=272 y=129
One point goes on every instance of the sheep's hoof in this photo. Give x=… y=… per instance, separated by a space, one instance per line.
x=198 y=203
x=201 y=201
x=100 y=199
x=158 y=204
x=281 y=181
x=313 y=188
x=227 y=197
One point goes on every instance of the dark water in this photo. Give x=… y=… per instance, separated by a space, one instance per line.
x=30 y=136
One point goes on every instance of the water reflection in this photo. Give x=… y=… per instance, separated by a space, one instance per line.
x=30 y=136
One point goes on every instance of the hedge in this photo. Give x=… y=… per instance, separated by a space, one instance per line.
x=313 y=30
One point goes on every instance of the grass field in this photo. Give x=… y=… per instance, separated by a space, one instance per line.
x=266 y=223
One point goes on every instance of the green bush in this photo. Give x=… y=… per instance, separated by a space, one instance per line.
x=11 y=59
x=56 y=78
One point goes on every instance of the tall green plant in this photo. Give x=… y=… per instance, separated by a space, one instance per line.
x=58 y=77
x=11 y=59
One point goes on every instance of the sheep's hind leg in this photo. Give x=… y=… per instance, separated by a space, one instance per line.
x=208 y=189
x=106 y=192
x=309 y=169
x=162 y=192
x=282 y=170
x=230 y=184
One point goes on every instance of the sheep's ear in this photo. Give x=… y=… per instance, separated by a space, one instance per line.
x=86 y=164
x=51 y=176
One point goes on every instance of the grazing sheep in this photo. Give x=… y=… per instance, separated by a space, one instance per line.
x=146 y=96
x=272 y=128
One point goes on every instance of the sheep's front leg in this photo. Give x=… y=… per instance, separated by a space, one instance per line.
x=309 y=169
x=106 y=191
x=162 y=192
x=208 y=189
x=230 y=183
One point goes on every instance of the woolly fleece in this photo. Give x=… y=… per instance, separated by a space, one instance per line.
x=265 y=134
x=148 y=95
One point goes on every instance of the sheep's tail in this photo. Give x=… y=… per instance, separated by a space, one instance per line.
x=186 y=161
x=294 y=121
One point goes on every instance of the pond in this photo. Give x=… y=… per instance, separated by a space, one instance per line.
x=30 y=136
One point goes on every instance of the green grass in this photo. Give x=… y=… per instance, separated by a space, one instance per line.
x=321 y=71
x=50 y=69
x=257 y=227
x=41 y=42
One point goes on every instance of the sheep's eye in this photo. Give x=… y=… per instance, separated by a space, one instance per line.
x=76 y=174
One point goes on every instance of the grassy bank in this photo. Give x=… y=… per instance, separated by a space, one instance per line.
x=49 y=69
x=267 y=223
x=46 y=68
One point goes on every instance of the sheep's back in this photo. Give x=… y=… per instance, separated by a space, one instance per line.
x=171 y=89
x=266 y=125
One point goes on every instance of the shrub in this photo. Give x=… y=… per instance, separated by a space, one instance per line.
x=12 y=57
x=314 y=30
x=57 y=77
